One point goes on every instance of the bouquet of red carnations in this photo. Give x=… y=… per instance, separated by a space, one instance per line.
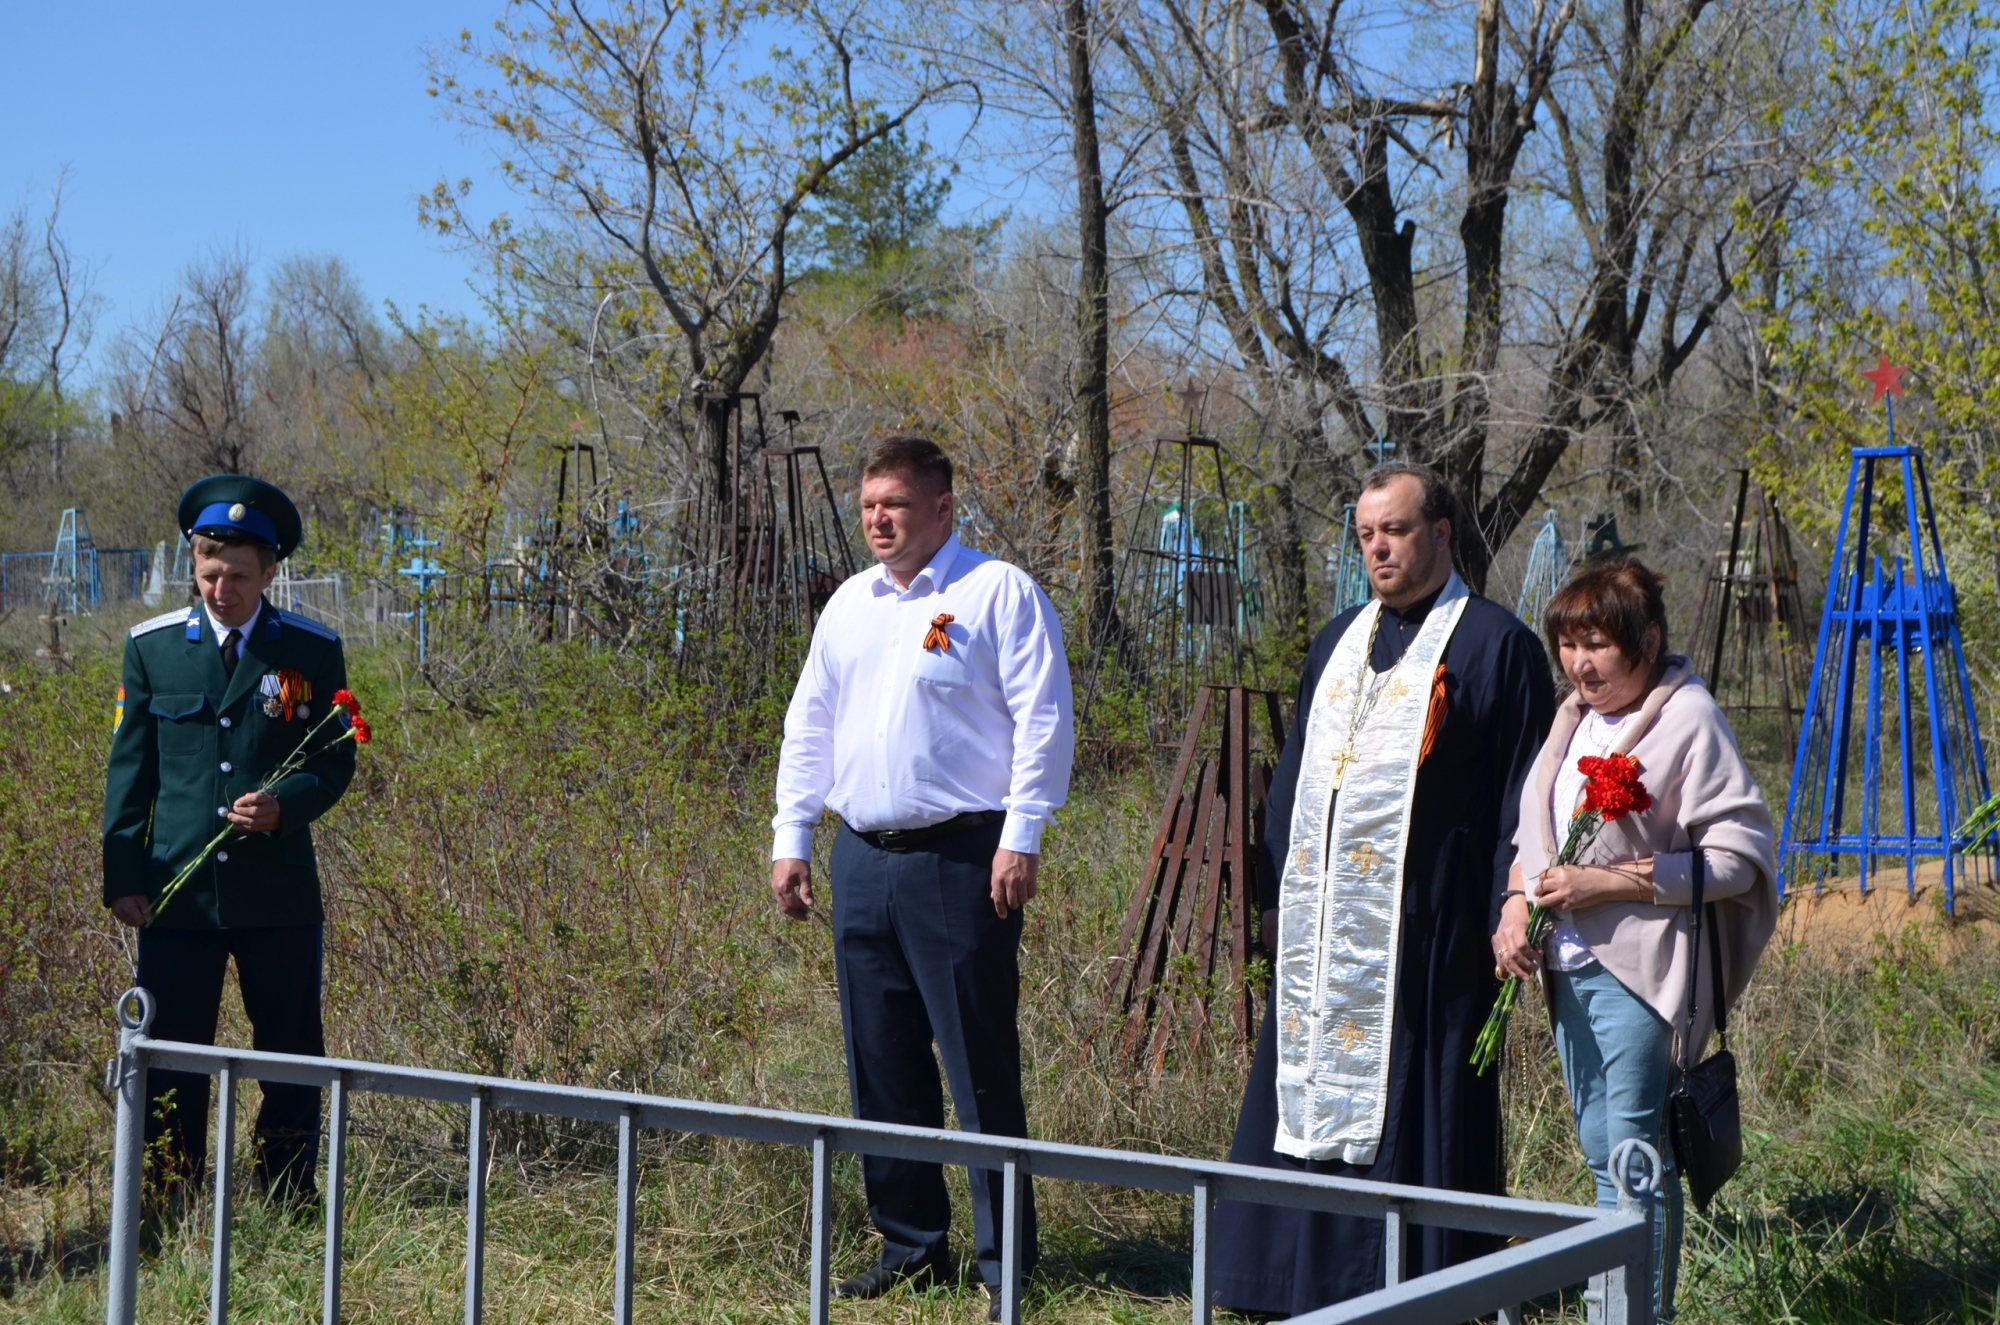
x=1612 y=790
x=344 y=716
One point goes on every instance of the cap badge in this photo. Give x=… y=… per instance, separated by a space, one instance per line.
x=238 y=511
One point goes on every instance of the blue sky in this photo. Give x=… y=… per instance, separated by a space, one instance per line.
x=279 y=126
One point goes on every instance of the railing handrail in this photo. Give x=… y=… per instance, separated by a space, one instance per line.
x=1468 y=1211
x=1570 y=1243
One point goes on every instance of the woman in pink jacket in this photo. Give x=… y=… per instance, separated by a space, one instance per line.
x=1615 y=968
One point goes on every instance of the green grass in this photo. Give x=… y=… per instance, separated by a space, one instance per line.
x=572 y=887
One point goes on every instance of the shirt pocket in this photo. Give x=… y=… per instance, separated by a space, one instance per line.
x=945 y=671
x=182 y=722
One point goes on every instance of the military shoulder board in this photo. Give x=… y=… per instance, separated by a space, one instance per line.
x=307 y=624
x=160 y=622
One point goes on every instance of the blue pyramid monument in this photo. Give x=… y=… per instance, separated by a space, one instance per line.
x=1889 y=684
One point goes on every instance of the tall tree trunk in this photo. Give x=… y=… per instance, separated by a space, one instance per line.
x=715 y=444
x=1093 y=339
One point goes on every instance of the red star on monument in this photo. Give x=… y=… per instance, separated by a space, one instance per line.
x=1887 y=377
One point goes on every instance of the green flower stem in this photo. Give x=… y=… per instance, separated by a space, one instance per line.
x=1583 y=829
x=293 y=763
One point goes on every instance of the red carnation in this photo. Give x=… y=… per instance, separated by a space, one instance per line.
x=1614 y=790
x=345 y=699
x=362 y=733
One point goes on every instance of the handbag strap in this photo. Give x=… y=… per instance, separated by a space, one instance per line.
x=1698 y=869
x=1715 y=978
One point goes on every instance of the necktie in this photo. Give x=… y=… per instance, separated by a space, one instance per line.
x=229 y=652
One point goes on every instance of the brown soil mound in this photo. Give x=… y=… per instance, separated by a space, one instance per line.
x=1839 y=918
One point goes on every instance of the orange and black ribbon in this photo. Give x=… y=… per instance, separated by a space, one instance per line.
x=1434 y=716
x=293 y=690
x=935 y=638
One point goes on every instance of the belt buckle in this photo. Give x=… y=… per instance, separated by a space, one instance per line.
x=891 y=838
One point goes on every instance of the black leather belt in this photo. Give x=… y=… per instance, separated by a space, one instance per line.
x=910 y=839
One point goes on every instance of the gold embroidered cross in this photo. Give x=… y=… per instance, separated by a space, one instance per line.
x=1364 y=858
x=1396 y=691
x=1292 y=1023
x=1350 y=1035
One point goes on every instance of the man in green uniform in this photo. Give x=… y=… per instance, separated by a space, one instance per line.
x=215 y=696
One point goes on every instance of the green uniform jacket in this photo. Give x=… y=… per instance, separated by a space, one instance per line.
x=190 y=740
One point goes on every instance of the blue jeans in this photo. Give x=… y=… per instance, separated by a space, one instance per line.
x=1616 y=1056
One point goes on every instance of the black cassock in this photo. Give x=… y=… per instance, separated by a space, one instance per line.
x=1442 y=1123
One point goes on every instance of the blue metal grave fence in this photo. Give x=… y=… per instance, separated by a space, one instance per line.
x=89 y=577
x=1558 y=1245
x=1350 y=574
x=1890 y=633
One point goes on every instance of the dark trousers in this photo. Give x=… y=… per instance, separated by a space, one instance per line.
x=921 y=956
x=279 y=973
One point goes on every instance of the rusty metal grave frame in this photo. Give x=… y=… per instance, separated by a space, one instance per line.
x=1751 y=628
x=768 y=546
x=1197 y=902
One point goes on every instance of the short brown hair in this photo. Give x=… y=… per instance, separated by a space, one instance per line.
x=905 y=453
x=205 y=545
x=1439 y=501
x=1620 y=600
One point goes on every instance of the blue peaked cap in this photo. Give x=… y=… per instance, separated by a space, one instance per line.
x=221 y=520
x=241 y=509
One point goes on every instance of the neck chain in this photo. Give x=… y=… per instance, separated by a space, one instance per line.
x=1368 y=687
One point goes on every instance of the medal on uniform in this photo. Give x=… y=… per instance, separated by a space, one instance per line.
x=293 y=692
x=285 y=694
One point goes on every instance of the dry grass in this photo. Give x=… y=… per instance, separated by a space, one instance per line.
x=571 y=888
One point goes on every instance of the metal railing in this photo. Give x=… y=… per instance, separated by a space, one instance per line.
x=1565 y=1245
x=92 y=576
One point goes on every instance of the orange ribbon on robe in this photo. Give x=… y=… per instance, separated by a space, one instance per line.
x=935 y=638
x=1434 y=716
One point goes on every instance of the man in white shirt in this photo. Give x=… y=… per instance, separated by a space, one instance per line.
x=933 y=717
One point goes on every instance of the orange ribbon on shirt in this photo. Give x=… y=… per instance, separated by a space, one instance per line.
x=935 y=638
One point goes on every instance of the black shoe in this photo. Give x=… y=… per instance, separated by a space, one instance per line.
x=878 y=1279
x=992 y=1303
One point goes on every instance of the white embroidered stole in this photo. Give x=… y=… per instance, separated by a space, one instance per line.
x=1341 y=898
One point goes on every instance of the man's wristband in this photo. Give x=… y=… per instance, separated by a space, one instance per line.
x=1512 y=892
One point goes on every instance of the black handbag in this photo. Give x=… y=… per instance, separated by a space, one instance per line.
x=1703 y=1118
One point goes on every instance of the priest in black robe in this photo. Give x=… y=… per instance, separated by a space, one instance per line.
x=1491 y=705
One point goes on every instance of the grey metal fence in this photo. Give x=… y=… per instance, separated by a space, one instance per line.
x=1557 y=1245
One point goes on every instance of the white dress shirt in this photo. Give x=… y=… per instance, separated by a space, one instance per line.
x=242 y=631
x=889 y=734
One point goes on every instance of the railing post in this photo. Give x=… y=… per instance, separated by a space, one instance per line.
x=127 y=1076
x=1392 y=1244
x=336 y=1197
x=225 y=1170
x=821 y=1296
x=475 y=1208
x=1010 y=1242
x=1198 y=1285
x=1624 y=1296
x=628 y=1197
